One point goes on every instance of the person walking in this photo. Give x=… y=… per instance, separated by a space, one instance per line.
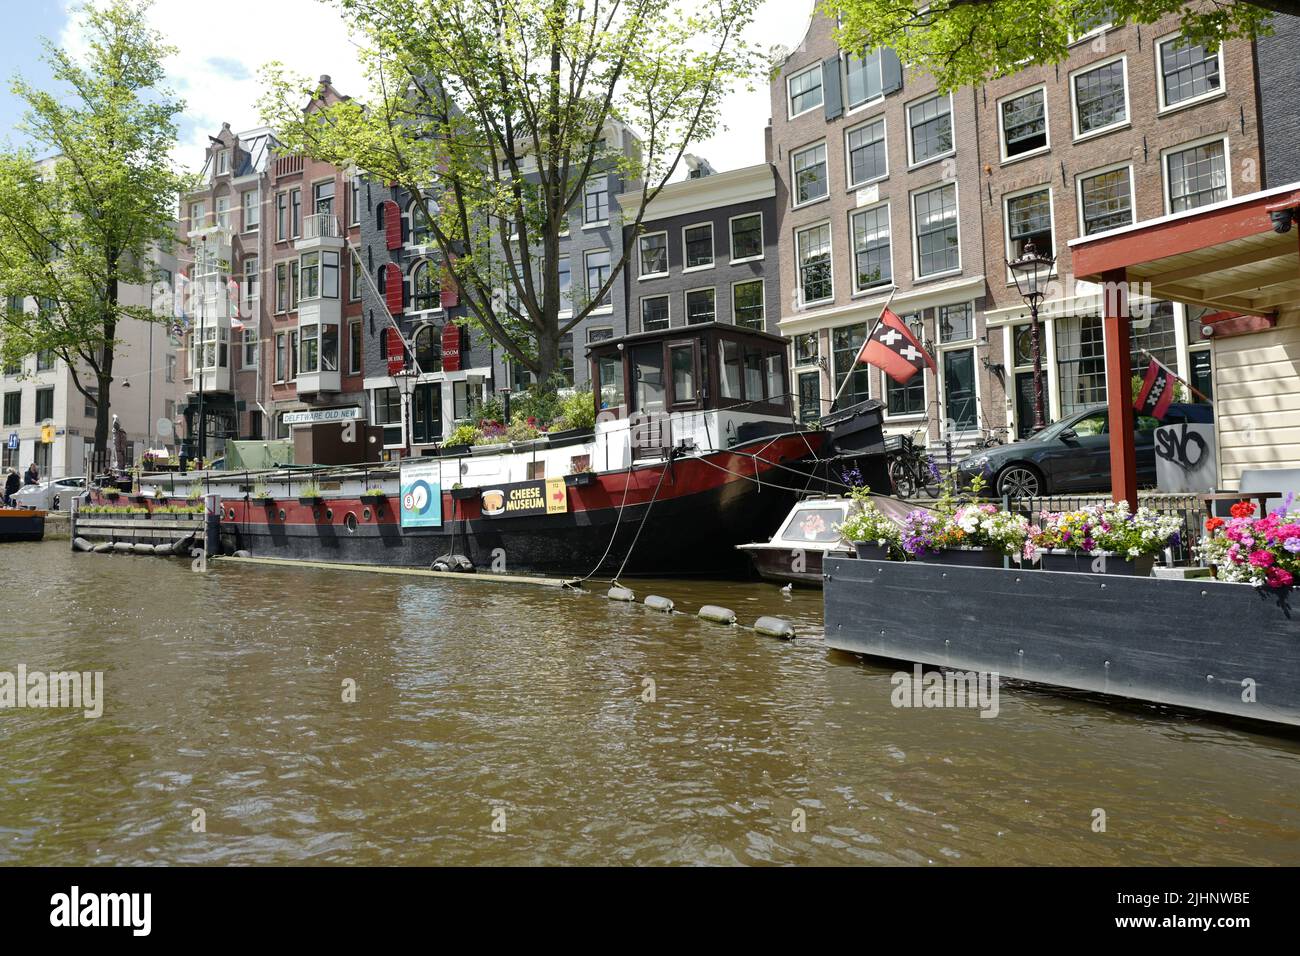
x=33 y=476
x=12 y=484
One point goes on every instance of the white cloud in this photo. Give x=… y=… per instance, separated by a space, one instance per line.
x=221 y=48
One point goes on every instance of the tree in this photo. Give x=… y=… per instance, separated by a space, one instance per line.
x=493 y=113
x=962 y=42
x=77 y=228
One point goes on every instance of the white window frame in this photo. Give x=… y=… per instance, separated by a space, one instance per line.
x=686 y=302
x=1047 y=125
x=916 y=239
x=596 y=309
x=595 y=223
x=713 y=247
x=1100 y=171
x=354 y=200
x=1126 y=122
x=245 y=206
x=795 y=202
x=789 y=97
x=798 y=263
x=731 y=239
x=926 y=378
x=1006 y=223
x=1191 y=144
x=219 y=213
x=848 y=159
x=223 y=162
x=762 y=282
x=640 y=309
x=1162 y=106
x=850 y=109
x=853 y=248
x=250 y=339
x=640 y=262
x=912 y=162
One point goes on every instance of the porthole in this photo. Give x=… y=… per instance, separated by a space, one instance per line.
x=230 y=513
x=366 y=514
x=329 y=514
x=379 y=512
x=350 y=521
x=281 y=514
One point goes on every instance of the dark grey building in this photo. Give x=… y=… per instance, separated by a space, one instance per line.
x=1279 y=92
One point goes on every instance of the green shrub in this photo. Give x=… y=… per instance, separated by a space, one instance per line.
x=578 y=410
x=463 y=435
x=520 y=431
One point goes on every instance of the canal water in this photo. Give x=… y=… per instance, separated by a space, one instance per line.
x=515 y=725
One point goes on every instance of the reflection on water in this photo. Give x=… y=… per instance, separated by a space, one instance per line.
x=224 y=692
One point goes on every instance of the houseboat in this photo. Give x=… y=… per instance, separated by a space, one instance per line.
x=22 y=524
x=694 y=451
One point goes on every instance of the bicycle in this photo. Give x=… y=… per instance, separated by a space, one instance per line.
x=910 y=469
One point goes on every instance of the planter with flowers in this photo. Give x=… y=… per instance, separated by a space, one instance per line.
x=1104 y=539
x=978 y=535
x=1263 y=552
x=874 y=534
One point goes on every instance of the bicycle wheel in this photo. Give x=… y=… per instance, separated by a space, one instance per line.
x=902 y=478
x=928 y=482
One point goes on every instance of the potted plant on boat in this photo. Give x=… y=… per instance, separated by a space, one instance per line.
x=1263 y=552
x=374 y=495
x=195 y=492
x=978 y=535
x=461 y=440
x=577 y=418
x=309 y=494
x=262 y=495
x=1105 y=539
x=492 y=439
x=874 y=534
x=580 y=476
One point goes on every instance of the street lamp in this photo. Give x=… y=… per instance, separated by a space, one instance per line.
x=406 y=386
x=1032 y=272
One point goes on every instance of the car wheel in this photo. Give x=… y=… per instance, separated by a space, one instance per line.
x=1020 y=481
x=54 y=503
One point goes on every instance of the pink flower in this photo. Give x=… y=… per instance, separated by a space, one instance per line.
x=1261 y=559
x=1278 y=577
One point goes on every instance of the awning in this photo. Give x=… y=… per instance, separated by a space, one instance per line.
x=1240 y=257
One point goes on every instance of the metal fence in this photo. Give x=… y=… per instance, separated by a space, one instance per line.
x=1188 y=509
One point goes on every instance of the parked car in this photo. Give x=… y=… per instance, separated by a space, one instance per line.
x=1071 y=455
x=51 y=494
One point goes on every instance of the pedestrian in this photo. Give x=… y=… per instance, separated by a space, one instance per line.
x=12 y=484
x=33 y=476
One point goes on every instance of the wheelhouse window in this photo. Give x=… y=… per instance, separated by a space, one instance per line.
x=871 y=249
x=748 y=306
x=1024 y=124
x=654 y=313
x=809 y=174
x=747 y=237
x=814 y=250
x=930 y=128
x=866 y=151
x=654 y=254
x=595 y=201
x=1106 y=200
x=609 y=381
x=701 y=306
x=1029 y=219
x=805 y=90
x=862 y=78
x=1100 y=98
x=1188 y=72
x=934 y=221
x=698 y=246
x=1196 y=176
x=684 y=369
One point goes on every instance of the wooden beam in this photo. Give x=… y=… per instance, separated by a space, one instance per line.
x=1249 y=257
x=1250 y=308
x=1215 y=285
x=1119 y=398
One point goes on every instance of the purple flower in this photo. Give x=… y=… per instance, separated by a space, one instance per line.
x=934 y=470
x=1292 y=545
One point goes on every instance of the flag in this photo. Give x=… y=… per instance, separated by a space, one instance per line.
x=894 y=349
x=1157 y=391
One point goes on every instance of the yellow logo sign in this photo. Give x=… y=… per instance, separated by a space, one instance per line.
x=47 y=434
x=557 y=496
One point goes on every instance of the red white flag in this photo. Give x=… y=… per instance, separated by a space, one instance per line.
x=1157 y=391
x=894 y=349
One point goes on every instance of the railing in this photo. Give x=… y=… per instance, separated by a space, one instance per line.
x=321 y=225
x=288 y=165
x=1187 y=508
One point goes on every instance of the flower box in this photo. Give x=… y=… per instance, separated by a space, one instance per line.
x=464 y=494
x=872 y=550
x=567 y=434
x=580 y=479
x=977 y=557
x=455 y=451
x=312 y=500
x=1081 y=562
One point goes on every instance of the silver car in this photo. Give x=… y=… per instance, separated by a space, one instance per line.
x=54 y=494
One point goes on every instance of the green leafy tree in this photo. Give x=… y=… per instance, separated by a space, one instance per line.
x=79 y=227
x=495 y=113
x=962 y=42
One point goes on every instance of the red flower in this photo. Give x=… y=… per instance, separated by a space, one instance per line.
x=1243 y=509
x=1213 y=524
x=1278 y=577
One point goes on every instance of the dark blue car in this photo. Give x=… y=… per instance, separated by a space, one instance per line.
x=1072 y=455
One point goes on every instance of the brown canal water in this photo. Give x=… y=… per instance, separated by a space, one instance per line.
x=477 y=703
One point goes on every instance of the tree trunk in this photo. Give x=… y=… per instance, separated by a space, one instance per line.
x=104 y=378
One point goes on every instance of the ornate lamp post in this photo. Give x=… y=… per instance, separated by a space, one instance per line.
x=405 y=379
x=1032 y=272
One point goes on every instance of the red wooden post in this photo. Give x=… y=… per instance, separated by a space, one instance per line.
x=1119 y=376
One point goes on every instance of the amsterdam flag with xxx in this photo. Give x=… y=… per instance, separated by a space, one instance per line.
x=894 y=349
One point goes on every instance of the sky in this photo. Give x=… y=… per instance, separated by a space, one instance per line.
x=219 y=52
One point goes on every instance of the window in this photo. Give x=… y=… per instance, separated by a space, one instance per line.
x=934 y=223
x=701 y=306
x=1187 y=72
x=329 y=347
x=355 y=194
x=747 y=304
x=747 y=237
x=805 y=348
x=280 y=367
x=814 y=251
x=425 y=293
x=1024 y=123
x=198 y=216
x=329 y=275
x=862 y=78
x=44 y=359
x=1100 y=98
x=805 y=90
x=295 y=212
x=930 y=129
x=223 y=212
x=293 y=284
x=1080 y=361
x=322 y=195
x=354 y=279
x=1153 y=330
x=595 y=202
x=421 y=230
x=281 y=287
x=697 y=242
x=310 y=274
x=293 y=355
x=90 y=403
x=809 y=167
x=654 y=254
x=354 y=347
x=1196 y=176
x=388 y=412
x=598 y=333
x=598 y=268
x=866 y=153
x=1105 y=200
x=654 y=313
x=252 y=211
x=810 y=394
x=252 y=285
x=956 y=323
x=566 y=285
x=428 y=349
x=223 y=162
x=13 y=408
x=1029 y=219
x=905 y=399
x=169 y=374
x=846 y=343
x=281 y=216
x=250 y=348
x=44 y=404
x=872 y=264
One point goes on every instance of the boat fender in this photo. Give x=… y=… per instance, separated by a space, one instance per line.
x=621 y=594
x=162 y=550
x=123 y=547
x=442 y=566
x=719 y=615
x=775 y=627
x=103 y=547
x=81 y=544
x=182 y=546
x=142 y=548
x=242 y=553
x=657 y=603
x=462 y=563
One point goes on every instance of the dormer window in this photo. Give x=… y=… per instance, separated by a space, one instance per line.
x=223 y=162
